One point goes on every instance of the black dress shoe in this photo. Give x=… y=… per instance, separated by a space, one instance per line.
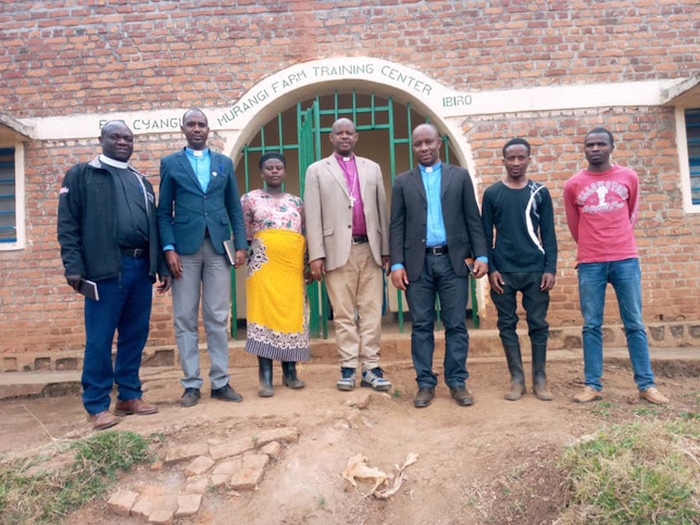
x=423 y=397
x=190 y=398
x=226 y=393
x=462 y=396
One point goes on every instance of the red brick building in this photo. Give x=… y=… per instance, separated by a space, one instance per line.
x=482 y=71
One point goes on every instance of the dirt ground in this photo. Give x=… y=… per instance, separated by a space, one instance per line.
x=492 y=463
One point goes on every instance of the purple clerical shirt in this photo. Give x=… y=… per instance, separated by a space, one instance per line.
x=349 y=167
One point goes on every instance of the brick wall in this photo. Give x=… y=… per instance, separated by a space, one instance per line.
x=58 y=58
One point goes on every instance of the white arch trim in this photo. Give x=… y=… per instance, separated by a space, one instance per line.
x=385 y=78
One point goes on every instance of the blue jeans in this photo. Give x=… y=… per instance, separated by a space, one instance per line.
x=535 y=302
x=124 y=306
x=438 y=276
x=625 y=278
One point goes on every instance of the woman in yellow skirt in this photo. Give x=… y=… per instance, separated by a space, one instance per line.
x=277 y=315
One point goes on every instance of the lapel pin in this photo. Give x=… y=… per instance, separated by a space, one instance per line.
x=214 y=174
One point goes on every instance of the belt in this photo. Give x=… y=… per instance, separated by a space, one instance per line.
x=134 y=252
x=359 y=239
x=436 y=250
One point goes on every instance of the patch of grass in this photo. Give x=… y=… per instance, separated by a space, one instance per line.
x=321 y=501
x=641 y=472
x=645 y=411
x=156 y=437
x=602 y=409
x=397 y=393
x=47 y=496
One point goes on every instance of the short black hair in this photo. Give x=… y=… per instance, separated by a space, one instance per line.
x=272 y=155
x=109 y=123
x=513 y=142
x=601 y=130
x=194 y=109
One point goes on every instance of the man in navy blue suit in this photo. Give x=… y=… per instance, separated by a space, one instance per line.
x=198 y=208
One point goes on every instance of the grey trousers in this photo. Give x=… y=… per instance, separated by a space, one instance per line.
x=205 y=273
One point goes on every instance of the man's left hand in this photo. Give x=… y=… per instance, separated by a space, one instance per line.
x=385 y=264
x=165 y=284
x=240 y=258
x=548 y=281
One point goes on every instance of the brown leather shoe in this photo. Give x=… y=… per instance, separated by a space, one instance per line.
x=423 y=397
x=134 y=406
x=652 y=395
x=102 y=420
x=587 y=395
x=462 y=396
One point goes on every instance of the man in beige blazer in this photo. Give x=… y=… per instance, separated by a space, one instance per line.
x=347 y=233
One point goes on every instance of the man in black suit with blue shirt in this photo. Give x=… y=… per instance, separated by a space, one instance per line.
x=435 y=228
x=198 y=208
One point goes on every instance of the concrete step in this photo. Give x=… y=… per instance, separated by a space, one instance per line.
x=667 y=362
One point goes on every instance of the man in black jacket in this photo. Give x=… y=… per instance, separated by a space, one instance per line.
x=435 y=230
x=108 y=234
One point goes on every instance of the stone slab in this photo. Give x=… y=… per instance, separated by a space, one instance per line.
x=143 y=507
x=231 y=448
x=185 y=452
x=228 y=467
x=197 y=485
x=272 y=449
x=121 y=502
x=188 y=505
x=199 y=466
x=251 y=472
x=161 y=516
x=282 y=435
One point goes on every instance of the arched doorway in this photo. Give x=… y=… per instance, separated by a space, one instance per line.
x=301 y=133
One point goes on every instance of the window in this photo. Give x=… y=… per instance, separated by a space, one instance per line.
x=8 y=197
x=692 y=130
x=12 y=227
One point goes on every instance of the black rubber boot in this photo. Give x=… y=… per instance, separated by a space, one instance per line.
x=539 y=377
x=289 y=375
x=265 y=371
x=517 y=376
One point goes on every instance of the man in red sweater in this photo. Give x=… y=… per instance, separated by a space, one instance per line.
x=601 y=210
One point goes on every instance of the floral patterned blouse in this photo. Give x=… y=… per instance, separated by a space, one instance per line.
x=262 y=211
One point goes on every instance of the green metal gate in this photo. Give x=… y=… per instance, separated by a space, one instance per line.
x=299 y=132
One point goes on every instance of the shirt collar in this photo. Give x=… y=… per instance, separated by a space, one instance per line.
x=113 y=162
x=341 y=158
x=197 y=153
x=431 y=169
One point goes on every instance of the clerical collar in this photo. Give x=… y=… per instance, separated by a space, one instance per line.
x=430 y=169
x=197 y=152
x=113 y=162
x=343 y=158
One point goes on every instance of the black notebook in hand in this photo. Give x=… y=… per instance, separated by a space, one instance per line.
x=230 y=251
x=89 y=289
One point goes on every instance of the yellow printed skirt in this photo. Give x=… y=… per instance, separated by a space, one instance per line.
x=277 y=317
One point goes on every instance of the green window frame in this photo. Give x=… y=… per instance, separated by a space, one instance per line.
x=692 y=130
x=8 y=196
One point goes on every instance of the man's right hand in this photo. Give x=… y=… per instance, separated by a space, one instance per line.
x=74 y=281
x=399 y=278
x=172 y=259
x=318 y=269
